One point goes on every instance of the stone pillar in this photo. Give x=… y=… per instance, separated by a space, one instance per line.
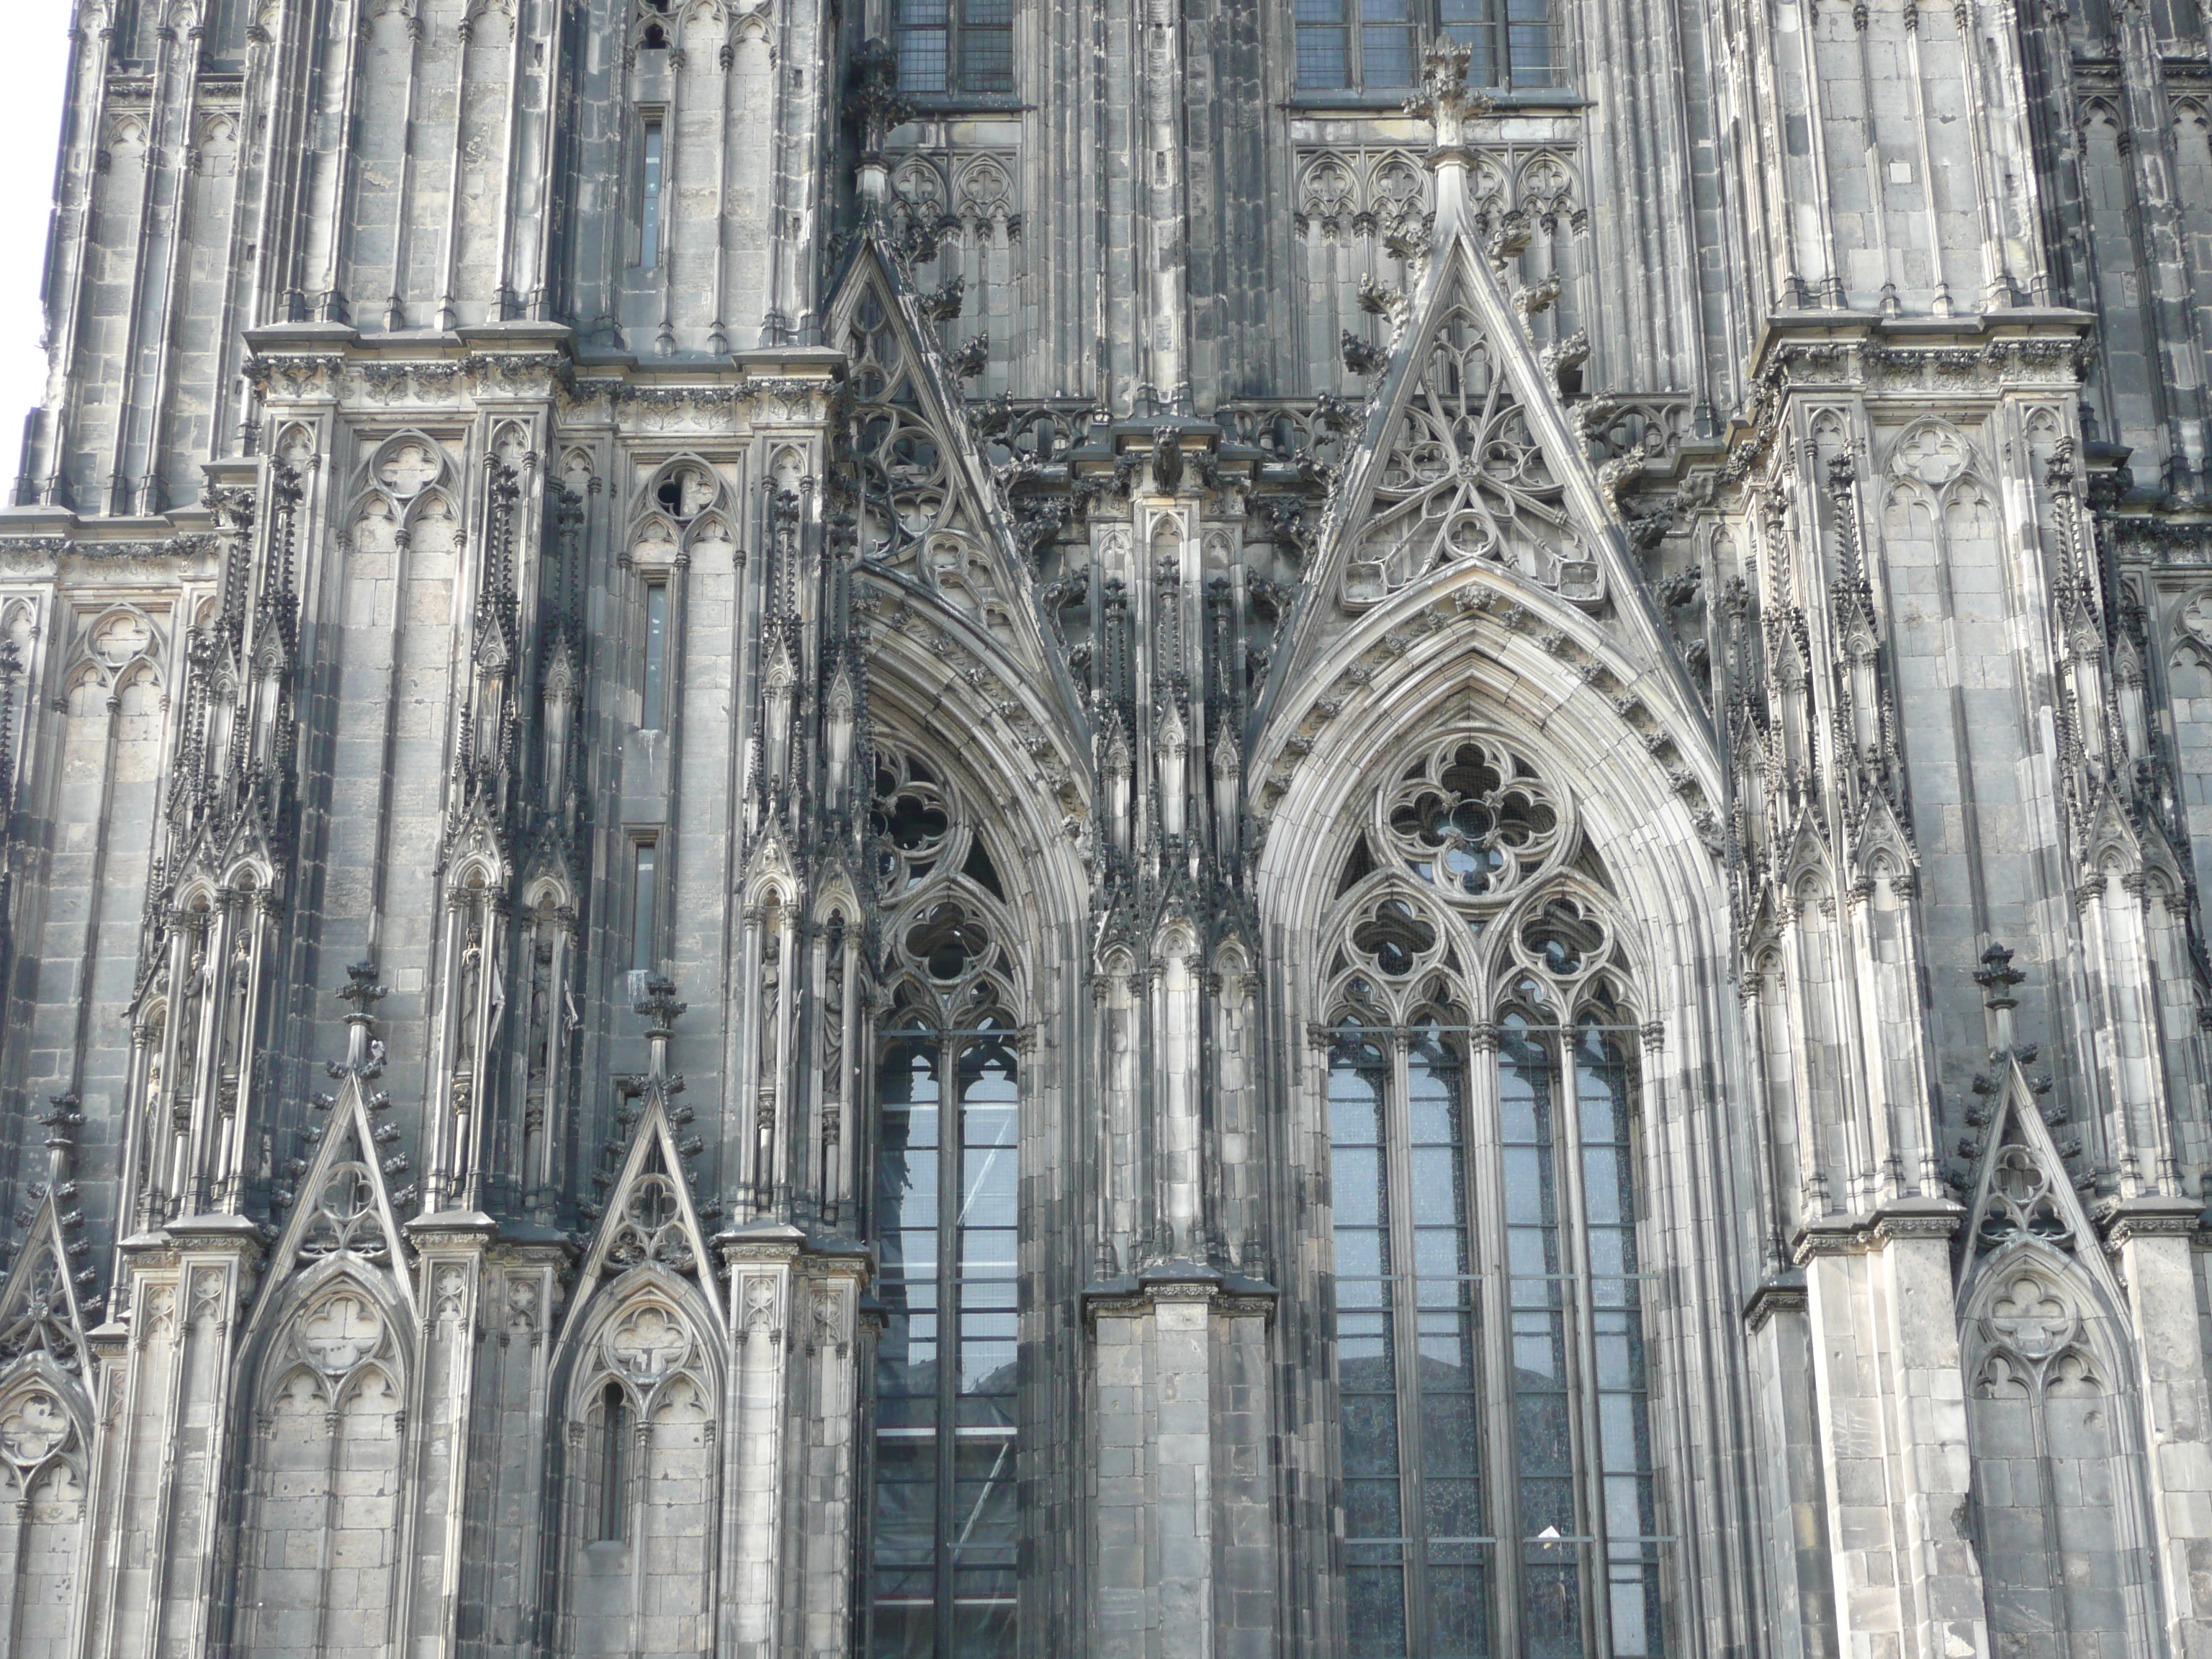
x=2158 y=1267
x=1184 y=1515
x=167 y=1448
x=759 y=1260
x=823 y=1505
x=1892 y=1408
x=1779 y=1340
x=442 y=1391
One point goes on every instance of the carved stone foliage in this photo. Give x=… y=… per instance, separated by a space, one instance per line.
x=1464 y=477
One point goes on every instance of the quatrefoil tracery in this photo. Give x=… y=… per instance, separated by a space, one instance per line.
x=1475 y=821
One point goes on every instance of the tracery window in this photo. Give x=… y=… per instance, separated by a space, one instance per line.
x=948 y=1086
x=1376 y=44
x=1499 y=1488
x=956 y=45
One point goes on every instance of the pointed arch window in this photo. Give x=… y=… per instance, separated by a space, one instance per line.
x=947 y=1090
x=1499 y=1488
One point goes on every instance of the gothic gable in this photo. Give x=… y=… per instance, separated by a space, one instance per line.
x=925 y=508
x=40 y=1316
x=345 y=1211
x=1467 y=458
x=2023 y=1196
x=650 y=1222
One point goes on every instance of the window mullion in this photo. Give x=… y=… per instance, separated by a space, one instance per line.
x=949 y=1139
x=1486 y=1244
x=1581 y=1380
x=1404 y=1336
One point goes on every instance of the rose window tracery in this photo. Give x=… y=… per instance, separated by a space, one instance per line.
x=2022 y=1203
x=911 y=821
x=1475 y=820
x=905 y=483
x=647 y=1343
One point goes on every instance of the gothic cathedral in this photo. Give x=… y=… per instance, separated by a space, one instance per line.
x=1113 y=829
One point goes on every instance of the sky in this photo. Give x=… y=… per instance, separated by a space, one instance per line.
x=31 y=79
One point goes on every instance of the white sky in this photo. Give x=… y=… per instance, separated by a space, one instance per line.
x=31 y=79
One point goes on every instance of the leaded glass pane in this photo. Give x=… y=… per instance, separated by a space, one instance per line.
x=1324 y=56
x=946 y=1199
x=1624 y=1450
x=1543 y=1428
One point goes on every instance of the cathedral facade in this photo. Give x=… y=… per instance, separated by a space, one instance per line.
x=1152 y=829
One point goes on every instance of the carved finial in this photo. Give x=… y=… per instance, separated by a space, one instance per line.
x=61 y=1121
x=1997 y=976
x=361 y=993
x=873 y=103
x=659 y=1009
x=1445 y=101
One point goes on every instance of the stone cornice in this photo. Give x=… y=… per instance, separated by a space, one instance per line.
x=1871 y=1231
x=1775 y=1296
x=319 y=363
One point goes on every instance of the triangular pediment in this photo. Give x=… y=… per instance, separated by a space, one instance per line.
x=40 y=1311
x=344 y=1208
x=2022 y=1195
x=929 y=511
x=650 y=1223
x=1467 y=458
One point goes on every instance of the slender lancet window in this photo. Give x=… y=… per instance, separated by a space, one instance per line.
x=645 y=905
x=648 y=248
x=1499 y=1487
x=948 y=1087
x=650 y=715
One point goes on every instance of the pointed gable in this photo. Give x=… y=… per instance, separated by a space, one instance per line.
x=1461 y=462
x=651 y=1220
x=2022 y=1195
x=1468 y=455
x=927 y=508
x=345 y=1206
x=39 y=1310
x=651 y=1223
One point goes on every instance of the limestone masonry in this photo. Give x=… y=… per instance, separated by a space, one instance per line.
x=1112 y=829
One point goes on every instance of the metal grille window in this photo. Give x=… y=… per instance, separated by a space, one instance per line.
x=1496 y=1452
x=1348 y=45
x=956 y=45
x=946 y=1196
